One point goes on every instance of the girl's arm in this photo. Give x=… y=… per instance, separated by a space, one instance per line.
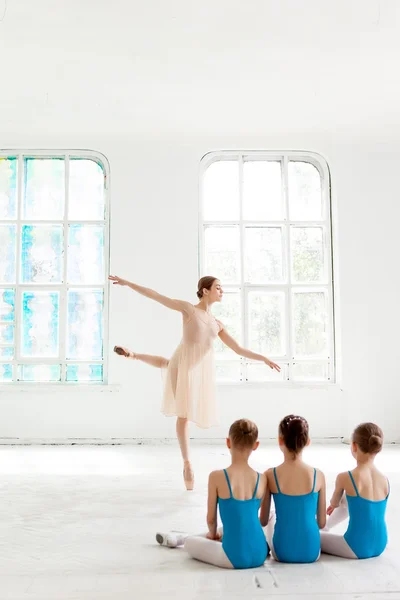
x=337 y=494
x=179 y=305
x=321 y=509
x=265 y=504
x=233 y=345
x=212 y=520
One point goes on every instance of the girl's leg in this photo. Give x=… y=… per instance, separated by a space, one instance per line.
x=182 y=433
x=269 y=534
x=173 y=539
x=336 y=545
x=340 y=514
x=182 y=424
x=155 y=361
x=208 y=551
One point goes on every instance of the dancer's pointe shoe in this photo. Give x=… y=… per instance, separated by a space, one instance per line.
x=188 y=476
x=124 y=352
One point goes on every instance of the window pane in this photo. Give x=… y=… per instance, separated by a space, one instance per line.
x=86 y=254
x=6 y=334
x=6 y=373
x=263 y=255
x=39 y=373
x=262 y=191
x=222 y=256
x=84 y=372
x=310 y=328
x=310 y=371
x=266 y=322
x=85 y=324
x=42 y=254
x=6 y=353
x=228 y=372
x=7 y=306
x=7 y=253
x=86 y=190
x=305 y=192
x=40 y=324
x=44 y=190
x=229 y=312
x=261 y=372
x=8 y=188
x=221 y=191
x=307 y=246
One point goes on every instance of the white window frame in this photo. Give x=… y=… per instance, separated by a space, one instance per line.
x=288 y=360
x=95 y=156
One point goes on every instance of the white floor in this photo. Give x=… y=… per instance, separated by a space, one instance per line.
x=78 y=523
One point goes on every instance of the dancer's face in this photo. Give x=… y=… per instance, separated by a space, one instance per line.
x=215 y=293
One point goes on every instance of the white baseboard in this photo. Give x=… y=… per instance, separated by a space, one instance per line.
x=134 y=441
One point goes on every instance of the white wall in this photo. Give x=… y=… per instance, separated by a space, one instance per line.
x=155 y=91
x=154 y=241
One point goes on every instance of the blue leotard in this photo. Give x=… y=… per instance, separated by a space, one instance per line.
x=366 y=534
x=296 y=535
x=243 y=538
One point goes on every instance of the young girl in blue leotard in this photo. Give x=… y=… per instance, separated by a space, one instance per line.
x=360 y=495
x=299 y=497
x=237 y=491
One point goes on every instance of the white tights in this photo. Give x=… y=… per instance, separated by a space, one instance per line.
x=269 y=533
x=332 y=543
x=208 y=551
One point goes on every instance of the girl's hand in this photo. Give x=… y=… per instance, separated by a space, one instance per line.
x=217 y=537
x=330 y=509
x=272 y=365
x=117 y=280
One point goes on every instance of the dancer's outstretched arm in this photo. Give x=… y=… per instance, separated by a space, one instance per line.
x=231 y=343
x=179 y=305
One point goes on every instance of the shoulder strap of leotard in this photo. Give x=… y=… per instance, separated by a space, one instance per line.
x=276 y=481
x=315 y=479
x=354 y=483
x=228 y=482
x=256 y=488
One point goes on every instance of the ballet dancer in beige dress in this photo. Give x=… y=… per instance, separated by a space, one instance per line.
x=189 y=391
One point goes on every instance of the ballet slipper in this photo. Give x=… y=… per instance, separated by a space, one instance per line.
x=188 y=476
x=124 y=352
x=172 y=539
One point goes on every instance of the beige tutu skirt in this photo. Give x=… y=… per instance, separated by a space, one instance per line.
x=189 y=385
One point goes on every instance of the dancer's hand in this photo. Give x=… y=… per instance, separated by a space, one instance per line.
x=117 y=280
x=330 y=509
x=272 y=365
x=217 y=537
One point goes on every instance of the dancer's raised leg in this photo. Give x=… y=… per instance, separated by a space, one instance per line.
x=182 y=433
x=150 y=359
